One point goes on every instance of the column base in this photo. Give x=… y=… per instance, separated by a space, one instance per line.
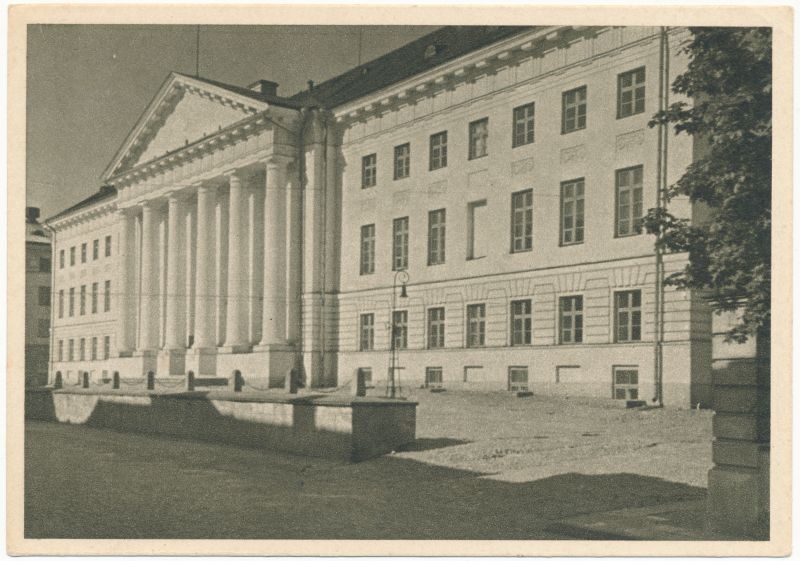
x=171 y=362
x=202 y=361
x=235 y=349
x=268 y=347
x=262 y=368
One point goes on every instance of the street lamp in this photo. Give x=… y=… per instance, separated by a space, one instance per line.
x=402 y=276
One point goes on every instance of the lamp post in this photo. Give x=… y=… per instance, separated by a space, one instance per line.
x=402 y=275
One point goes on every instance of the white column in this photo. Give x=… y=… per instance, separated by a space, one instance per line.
x=294 y=218
x=274 y=311
x=175 y=320
x=255 y=244
x=204 y=280
x=125 y=282
x=189 y=229
x=235 y=333
x=149 y=300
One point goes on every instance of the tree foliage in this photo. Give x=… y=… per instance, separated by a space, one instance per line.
x=729 y=80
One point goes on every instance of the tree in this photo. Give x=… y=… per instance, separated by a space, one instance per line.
x=729 y=79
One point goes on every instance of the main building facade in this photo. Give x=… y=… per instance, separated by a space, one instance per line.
x=463 y=212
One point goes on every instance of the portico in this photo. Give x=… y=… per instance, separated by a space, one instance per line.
x=206 y=275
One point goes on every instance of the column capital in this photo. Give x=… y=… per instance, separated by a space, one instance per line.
x=176 y=195
x=278 y=161
x=206 y=187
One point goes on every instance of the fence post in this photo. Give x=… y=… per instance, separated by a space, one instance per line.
x=115 y=381
x=359 y=383
x=151 y=380
x=290 y=382
x=190 y=381
x=85 y=379
x=238 y=381
x=58 y=383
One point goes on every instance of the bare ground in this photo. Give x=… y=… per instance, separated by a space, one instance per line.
x=485 y=466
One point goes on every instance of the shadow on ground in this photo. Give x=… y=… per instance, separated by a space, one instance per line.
x=82 y=482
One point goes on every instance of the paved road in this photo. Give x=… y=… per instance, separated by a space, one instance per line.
x=91 y=483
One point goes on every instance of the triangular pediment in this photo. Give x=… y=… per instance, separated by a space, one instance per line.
x=185 y=110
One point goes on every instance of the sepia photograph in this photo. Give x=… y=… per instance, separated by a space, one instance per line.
x=425 y=281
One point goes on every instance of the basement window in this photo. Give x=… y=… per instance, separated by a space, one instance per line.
x=626 y=382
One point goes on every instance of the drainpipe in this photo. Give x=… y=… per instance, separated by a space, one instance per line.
x=661 y=184
x=53 y=302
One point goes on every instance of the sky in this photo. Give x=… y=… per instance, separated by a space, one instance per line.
x=87 y=85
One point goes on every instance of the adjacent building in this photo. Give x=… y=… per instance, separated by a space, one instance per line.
x=464 y=212
x=37 y=299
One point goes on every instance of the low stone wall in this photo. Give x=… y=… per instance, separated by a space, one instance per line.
x=349 y=428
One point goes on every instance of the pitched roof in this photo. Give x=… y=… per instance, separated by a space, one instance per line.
x=105 y=192
x=252 y=94
x=448 y=43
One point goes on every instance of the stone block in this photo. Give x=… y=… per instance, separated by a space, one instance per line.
x=736 y=504
x=740 y=399
x=735 y=453
x=734 y=426
x=740 y=372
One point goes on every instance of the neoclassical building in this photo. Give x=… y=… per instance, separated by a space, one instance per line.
x=462 y=212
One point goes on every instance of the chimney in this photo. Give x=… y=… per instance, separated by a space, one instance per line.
x=264 y=87
x=32 y=215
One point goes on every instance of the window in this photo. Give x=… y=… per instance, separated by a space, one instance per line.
x=630 y=93
x=72 y=301
x=60 y=350
x=400 y=244
x=72 y=256
x=518 y=378
x=107 y=347
x=436 y=236
x=523 y=125
x=44 y=264
x=629 y=201
x=571 y=311
x=573 y=110
x=94 y=297
x=402 y=161
x=108 y=246
x=521 y=322
x=433 y=377
x=61 y=259
x=95 y=250
x=400 y=329
x=366 y=332
x=71 y=350
x=83 y=349
x=628 y=315
x=438 y=153
x=522 y=221
x=368 y=249
x=107 y=297
x=369 y=171
x=572 y=212
x=478 y=138
x=43 y=327
x=83 y=252
x=44 y=296
x=476 y=325
x=436 y=328
x=83 y=299
x=94 y=348
x=477 y=229
x=626 y=382
x=60 y=304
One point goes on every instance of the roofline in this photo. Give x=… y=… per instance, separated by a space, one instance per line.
x=82 y=205
x=445 y=67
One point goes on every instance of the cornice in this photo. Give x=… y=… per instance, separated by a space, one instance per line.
x=84 y=215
